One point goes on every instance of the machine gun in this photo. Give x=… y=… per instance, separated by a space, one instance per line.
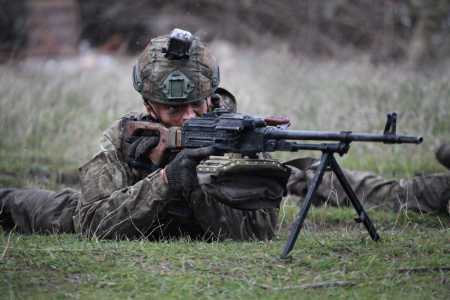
x=249 y=134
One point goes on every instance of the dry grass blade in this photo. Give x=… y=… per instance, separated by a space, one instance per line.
x=293 y=287
x=419 y=269
x=6 y=248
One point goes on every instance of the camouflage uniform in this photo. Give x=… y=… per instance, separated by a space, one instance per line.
x=118 y=201
x=35 y=210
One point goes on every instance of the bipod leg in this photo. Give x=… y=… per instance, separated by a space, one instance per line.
x=324 y=163
x=363 y=217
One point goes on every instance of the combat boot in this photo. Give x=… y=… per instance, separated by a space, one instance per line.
x=443 y=155
x=5 y=209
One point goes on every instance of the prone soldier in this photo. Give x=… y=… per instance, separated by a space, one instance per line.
x=135 y=198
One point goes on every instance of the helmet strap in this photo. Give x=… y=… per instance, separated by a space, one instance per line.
x=157 y=119
x=207 y=106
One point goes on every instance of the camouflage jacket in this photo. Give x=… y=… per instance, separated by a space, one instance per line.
x=120 y=201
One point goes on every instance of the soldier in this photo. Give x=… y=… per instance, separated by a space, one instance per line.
x=135 y=198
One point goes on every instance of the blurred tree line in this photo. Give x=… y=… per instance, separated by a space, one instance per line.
x=383 y=29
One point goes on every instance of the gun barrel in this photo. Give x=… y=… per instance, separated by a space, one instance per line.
x=343 y=136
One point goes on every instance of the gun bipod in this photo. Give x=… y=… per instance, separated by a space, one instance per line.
x=328 y=163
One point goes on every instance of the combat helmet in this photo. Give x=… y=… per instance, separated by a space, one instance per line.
x=176 y=69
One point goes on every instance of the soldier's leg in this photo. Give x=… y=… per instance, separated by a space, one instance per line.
x=426 y=192
x=35 y=210
x=368 y=187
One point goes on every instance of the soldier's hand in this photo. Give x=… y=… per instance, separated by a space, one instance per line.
x=140 y=146
x=181 y=173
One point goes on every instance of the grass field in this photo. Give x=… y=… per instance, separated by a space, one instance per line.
x=52 y=115
x=411 y=262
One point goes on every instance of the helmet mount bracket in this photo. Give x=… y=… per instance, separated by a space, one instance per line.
x=176 y=85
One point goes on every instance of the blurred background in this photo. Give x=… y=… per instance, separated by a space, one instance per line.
x=386 y=30
x=331 y=65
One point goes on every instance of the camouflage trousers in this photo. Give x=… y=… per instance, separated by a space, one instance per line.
x=34 y=210
x=424 y=192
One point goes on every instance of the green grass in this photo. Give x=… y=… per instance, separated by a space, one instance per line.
x=331 y=248
x=62 y=266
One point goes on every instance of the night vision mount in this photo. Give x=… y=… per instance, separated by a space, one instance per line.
x=179 y=43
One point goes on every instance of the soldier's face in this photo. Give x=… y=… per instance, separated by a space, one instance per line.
x=175 y=115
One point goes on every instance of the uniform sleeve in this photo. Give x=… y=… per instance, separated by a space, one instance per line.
x=114 y=203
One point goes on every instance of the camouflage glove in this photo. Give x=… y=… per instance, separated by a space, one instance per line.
x=140 y=146
x=181 y=173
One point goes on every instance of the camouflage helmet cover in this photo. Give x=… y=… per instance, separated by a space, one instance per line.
x=175 y=82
